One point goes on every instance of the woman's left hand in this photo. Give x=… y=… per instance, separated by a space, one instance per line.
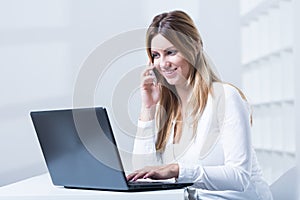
x=155 y=172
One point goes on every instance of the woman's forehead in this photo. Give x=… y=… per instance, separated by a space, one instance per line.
x=159 y=42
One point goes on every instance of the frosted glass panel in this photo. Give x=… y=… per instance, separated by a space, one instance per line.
x=269 y=81
x=287 y=75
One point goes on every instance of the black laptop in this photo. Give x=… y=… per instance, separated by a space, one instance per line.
x=80 y=151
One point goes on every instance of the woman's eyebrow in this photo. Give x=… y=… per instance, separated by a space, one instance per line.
x=171 y=47
x=167 y=49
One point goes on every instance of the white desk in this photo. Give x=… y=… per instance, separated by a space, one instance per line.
x=41 y=188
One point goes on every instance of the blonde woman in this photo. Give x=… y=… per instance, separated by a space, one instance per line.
x=192 y=126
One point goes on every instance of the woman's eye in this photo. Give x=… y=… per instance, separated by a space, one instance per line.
x=155 y=55
x=172 y=52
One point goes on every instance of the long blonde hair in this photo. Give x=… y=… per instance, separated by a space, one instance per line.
x=180 y=30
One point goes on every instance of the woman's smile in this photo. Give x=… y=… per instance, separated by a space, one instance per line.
x=169 y=73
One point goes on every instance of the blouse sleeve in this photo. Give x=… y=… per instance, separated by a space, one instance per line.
x=235 y=172
x=144 y=151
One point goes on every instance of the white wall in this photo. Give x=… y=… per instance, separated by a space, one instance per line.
x=219 y=23
x=44 y=43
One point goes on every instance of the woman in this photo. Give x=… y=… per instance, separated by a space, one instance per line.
x=192 y=126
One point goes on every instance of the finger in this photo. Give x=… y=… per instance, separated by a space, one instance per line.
x=133 y=177
x=140 y=173
x=150 y=174
x=130 y=176
x=157 y=173
x=148 y=80
x=147 y=69
x=139 y=176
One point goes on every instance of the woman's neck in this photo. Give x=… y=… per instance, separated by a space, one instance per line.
x=184 y=95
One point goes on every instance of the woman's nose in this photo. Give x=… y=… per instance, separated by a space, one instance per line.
x=164 y=63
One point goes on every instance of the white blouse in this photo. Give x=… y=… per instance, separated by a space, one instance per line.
x=219 y=159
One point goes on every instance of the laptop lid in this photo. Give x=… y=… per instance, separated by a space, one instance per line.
x=80 y=150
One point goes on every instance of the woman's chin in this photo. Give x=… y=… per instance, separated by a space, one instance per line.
x=174 y=82
x=171 y=81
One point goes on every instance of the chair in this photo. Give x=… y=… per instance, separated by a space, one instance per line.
x=285 y=187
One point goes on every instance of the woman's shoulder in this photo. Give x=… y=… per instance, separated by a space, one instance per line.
x=231 y=97
x=226 y=92
x=226 y=89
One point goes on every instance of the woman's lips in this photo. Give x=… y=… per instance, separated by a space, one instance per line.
x=169 y=73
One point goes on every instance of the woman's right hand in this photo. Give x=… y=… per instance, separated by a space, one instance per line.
x=150 y=89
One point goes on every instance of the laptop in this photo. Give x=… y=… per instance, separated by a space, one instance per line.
x=81 y=152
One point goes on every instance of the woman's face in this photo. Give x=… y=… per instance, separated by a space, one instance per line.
x=169 y=61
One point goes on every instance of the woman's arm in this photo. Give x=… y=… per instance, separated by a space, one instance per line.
x=144 y=151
